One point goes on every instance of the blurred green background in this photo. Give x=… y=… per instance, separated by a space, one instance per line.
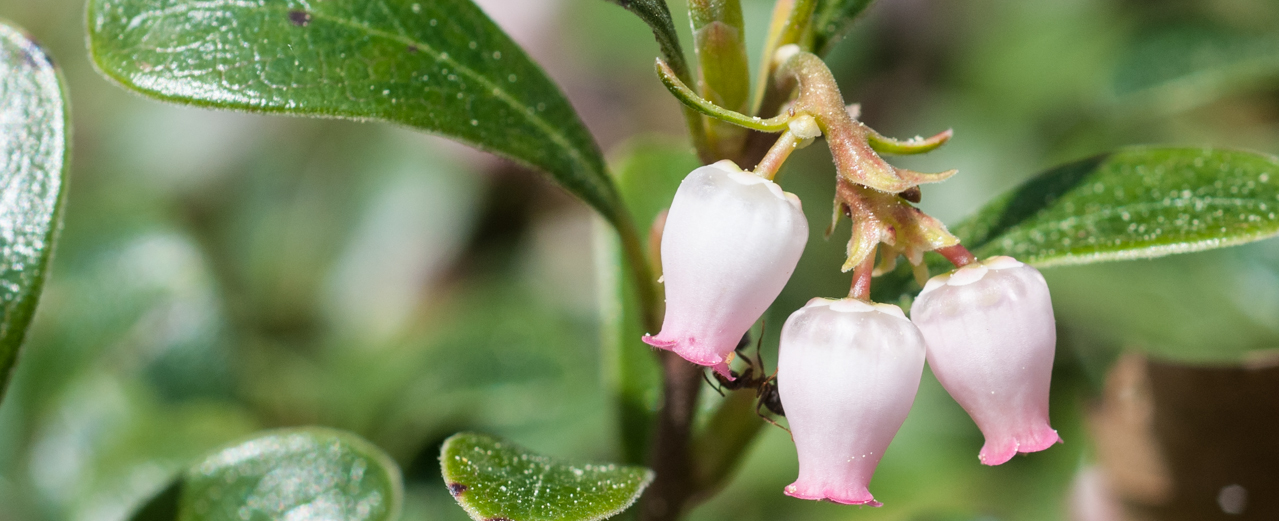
x=221 y=273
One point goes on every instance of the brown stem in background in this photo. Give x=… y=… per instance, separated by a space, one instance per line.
x=1184 y=442
x=670 y=455
x=670 y=458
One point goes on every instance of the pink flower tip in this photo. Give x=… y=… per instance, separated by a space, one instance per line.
x=991 y=339
x=730 y=243
x=1000 y=450
x=860 y=497
x=690 y=351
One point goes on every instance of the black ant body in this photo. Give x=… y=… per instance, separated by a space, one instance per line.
x=765 y=385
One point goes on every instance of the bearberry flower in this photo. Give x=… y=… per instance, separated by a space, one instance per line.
x=847 y=373
x=732 y=240
x=991 y=338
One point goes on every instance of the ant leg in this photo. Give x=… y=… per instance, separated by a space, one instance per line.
x=759 y=357
x=759 y=413
x=745 y=341
x=712 y=384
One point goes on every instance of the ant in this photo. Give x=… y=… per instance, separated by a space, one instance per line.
x=765 y=386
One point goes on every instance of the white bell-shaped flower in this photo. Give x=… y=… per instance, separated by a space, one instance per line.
x=991 y=338
x=847 y=372
x=731 y=241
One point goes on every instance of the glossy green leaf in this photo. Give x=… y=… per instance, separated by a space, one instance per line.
x=439 y=66
x=1136 y=203
x=648 y=173
x=306 y=473
x=494 y=479
x=833 y=19
x=34 y=145
x=1183 y=66
x=1132 y=204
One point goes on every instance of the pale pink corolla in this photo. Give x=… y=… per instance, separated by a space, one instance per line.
x=847 y=372
x=731 y=241
x=991 y=338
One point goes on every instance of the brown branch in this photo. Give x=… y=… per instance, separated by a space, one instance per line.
x=670 y=458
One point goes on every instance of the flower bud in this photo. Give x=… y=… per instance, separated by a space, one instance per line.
x=847 y=372
x=731 y=242
x=991 y=338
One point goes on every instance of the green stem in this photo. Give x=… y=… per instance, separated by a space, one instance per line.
x=675 y=55
x=691 y=100
x=722 y=444
x=791 y=24
x=641 y=273
x=658 y=17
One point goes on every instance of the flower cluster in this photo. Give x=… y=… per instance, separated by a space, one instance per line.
x=848 y=369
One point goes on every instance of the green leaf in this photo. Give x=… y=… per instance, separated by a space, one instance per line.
x=1184 y=66
x=34 y=148
x=305 y=473
x=1136 y=203
x=494 y=479
x=833 y=19
x=439 y=66
x=648 y=173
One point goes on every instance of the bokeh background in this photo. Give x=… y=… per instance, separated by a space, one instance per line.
x=221 y=273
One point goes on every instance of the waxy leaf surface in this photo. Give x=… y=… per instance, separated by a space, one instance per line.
x=436 y=65
x=33 y=159
x=305 y=473
x=1135 y=203
x=495 y=479
x=1132 y=204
